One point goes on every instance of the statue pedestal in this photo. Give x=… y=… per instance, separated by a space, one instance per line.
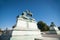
x=54 y=30
x=26 y=29
x=26 y=35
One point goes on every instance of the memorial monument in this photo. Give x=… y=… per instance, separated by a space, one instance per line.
x=54 y=29
x=26 y=28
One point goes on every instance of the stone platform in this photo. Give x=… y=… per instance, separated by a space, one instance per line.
x=26 y=28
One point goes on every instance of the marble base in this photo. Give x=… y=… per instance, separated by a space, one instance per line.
x=26 y=35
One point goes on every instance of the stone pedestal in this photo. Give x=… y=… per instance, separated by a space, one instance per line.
x=26 y=29
x=26 y=35
x=54 y=29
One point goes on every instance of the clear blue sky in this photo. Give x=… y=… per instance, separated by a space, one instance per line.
x=45 y=10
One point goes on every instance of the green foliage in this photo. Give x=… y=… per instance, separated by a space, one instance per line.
x=42 y=26
x=0 y=30
x=59 y=27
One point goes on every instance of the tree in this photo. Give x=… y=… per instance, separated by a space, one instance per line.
x=59 y=27
x=0 y=29
x=42 y=26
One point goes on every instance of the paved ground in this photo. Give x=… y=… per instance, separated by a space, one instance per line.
x=50 y=37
